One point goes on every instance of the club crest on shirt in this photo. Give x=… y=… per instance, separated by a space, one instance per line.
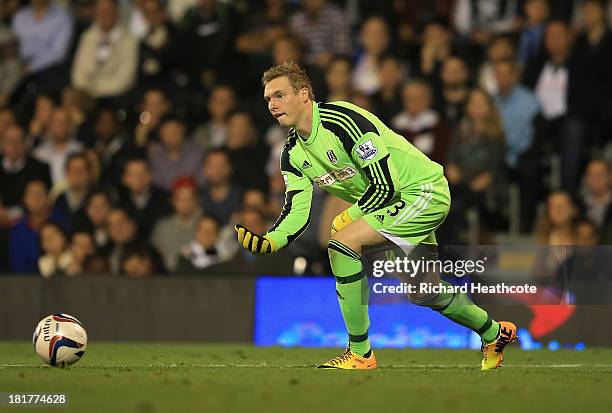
x=366 y=150
x=332 y=156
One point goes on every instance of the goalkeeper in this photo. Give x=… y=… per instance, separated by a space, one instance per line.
x=398 y=194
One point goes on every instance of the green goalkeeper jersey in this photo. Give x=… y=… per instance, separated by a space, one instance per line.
x=351 y=154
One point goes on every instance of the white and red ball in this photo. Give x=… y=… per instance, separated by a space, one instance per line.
x=60 y=340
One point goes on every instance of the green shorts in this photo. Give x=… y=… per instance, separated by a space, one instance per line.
x=413 y=219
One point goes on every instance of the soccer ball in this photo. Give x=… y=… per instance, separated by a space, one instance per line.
x=60 y=340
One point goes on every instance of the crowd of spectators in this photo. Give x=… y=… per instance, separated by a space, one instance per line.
x=133 y=134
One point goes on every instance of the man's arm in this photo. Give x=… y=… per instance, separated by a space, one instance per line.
x=295 y=216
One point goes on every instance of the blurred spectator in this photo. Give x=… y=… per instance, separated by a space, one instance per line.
x=480 y=19
x=97 y=208
x=122 y=230
x=475 y=166
x=154 y=106
x=82 y=247
x=500 y=48
x=324 y=29
x=202 y=251
x=139 y=260
x=71 y=202
x=8 y=8
x=597 y=196
x=375 y=41
x=434 y=49
x=532 y=34
x=261 y=29
x=387 y=102
x=563 y=89
x=16 y=170
x=586 y=234
x=291 y=48
x=213 y=133
x=174 y=232
x=7 y=118
x=338 y=79
x=44 y=31
x=58 y=145
x=210 y=30
x=558 y=225
x=177 y=8
x=454 y=89
x=57 y=259
x=107 y=55
x=143 y=201
x=518 y=108
x=159 y=54
x=10 y=66
x=420 y=124
x=24 y=236
x=111 y=146
x=39 y=123
x=596 y=42
x=256 y=199
x=220 y=196
x=174 y=156
x=136 y=21
x=79 y=106
x=246 y=152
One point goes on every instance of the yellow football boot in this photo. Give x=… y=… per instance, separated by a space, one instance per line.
x=493 y=354
x=350 y=361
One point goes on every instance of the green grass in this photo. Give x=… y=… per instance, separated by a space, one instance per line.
x=118 y=377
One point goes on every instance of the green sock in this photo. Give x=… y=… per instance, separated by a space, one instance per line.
x=353 y=295
x=459 y=308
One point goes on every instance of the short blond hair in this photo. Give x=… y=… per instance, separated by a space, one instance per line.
x=298 y=78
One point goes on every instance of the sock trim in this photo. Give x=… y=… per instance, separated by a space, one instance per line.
x=351 y=278
x=343 y=249
x=485 y=327
x=447 y=305
x=358 y=339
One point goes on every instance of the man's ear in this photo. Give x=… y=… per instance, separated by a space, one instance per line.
x=304 y=95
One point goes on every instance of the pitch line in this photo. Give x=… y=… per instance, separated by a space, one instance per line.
x=265 y=365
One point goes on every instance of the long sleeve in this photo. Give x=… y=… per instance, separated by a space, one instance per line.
x=372 y=156
x=295 y=215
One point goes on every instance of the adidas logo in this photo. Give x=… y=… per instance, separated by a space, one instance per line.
x=306 y=164
x=380 y=218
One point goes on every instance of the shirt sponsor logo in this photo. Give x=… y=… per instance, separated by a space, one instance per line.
x=366 y=150
x=334 y=176
x=332 y=156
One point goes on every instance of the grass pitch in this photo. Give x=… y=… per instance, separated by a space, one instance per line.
x=138 y=377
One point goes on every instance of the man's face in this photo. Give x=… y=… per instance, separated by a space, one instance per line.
x=416 y=98
x=505 y=76
x=557 y=38
x=283 y=103
x=454 y=72
x=206 y=233
x=35 y=197
x=60 y=126
x=77 y=174
x=597 y=178
x=184 y=201
x=217 y=168
x=137 y=177
x=13 y=147
x=120 y=227
x=106 y=14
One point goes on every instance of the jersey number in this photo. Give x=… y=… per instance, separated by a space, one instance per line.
x=396 y=208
